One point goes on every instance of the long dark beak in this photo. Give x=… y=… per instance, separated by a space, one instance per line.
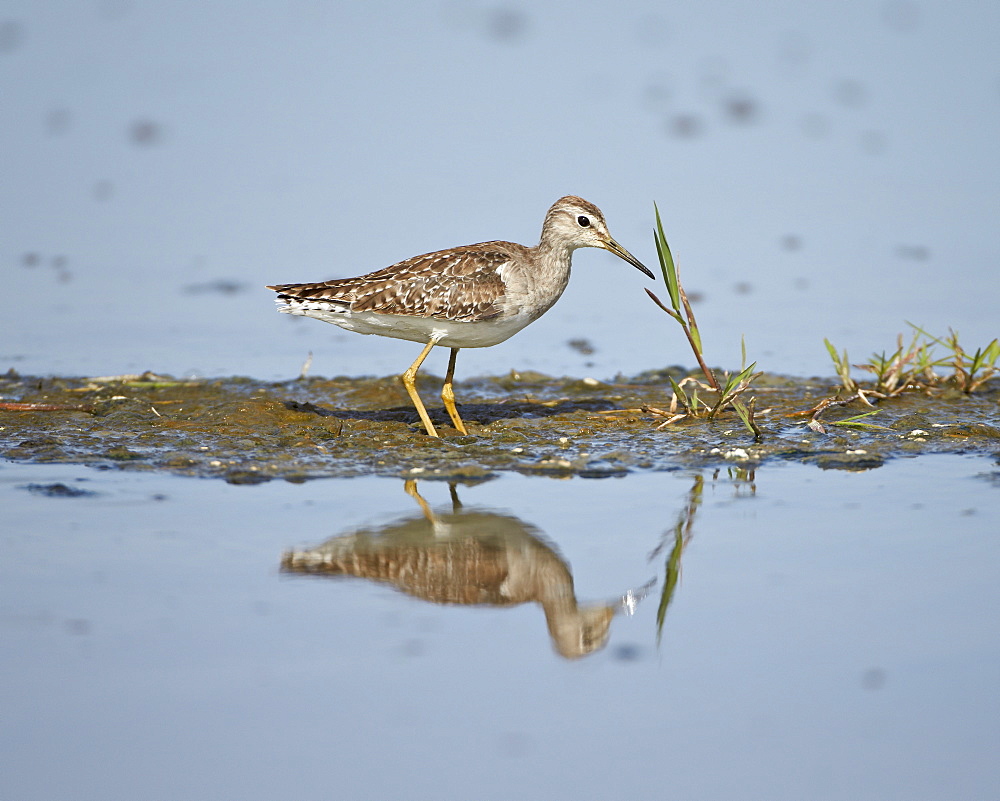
x=621 y=253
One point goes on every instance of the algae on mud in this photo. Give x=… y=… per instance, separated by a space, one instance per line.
x=248 y=431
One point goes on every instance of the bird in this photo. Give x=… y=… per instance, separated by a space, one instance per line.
x=473 y=296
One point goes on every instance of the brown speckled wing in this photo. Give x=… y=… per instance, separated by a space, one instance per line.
x=458 y=284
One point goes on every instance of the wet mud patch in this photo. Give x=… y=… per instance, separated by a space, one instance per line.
x=247 y=431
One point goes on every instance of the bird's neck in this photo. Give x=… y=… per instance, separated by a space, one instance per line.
x=542 y=283
x=555 y=256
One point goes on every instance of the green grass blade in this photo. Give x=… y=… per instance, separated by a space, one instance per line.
x=735 y=380
x=695 y=335
x=746 y=414
x=854 y=422
x=667 y=265
x=682 y=397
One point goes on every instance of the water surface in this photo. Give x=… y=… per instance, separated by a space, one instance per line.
x=823 y=170
x=831 y=636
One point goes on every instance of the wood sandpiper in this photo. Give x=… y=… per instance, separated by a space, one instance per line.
x=465 y=297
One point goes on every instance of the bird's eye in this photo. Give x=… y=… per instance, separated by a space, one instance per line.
x=584 y=221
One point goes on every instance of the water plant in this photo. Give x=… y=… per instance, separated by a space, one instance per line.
x=911 y=366
x=914 y=366
x=687 y=403
x=970 y=371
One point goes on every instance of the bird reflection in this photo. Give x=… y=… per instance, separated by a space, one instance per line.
x=469 y=557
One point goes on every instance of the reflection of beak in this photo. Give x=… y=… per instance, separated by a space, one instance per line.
x=621 y=253
x=630 y=600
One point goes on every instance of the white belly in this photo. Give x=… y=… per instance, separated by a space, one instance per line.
x=449 y=333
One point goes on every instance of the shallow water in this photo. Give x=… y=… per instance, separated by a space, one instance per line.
x=818 y=175
x=832 y=636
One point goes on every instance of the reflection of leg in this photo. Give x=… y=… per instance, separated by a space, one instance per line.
x=448 y=394
x=409 y=382
x=456 y=504
x=411 y=489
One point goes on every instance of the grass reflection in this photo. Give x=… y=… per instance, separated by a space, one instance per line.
x=677 y=538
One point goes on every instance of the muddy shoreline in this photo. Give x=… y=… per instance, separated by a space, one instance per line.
x=249 y=431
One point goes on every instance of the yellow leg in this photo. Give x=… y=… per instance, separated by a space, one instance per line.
x=448 y=394
x=410 y=384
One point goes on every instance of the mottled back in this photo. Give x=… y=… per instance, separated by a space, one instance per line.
x=462 y=284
